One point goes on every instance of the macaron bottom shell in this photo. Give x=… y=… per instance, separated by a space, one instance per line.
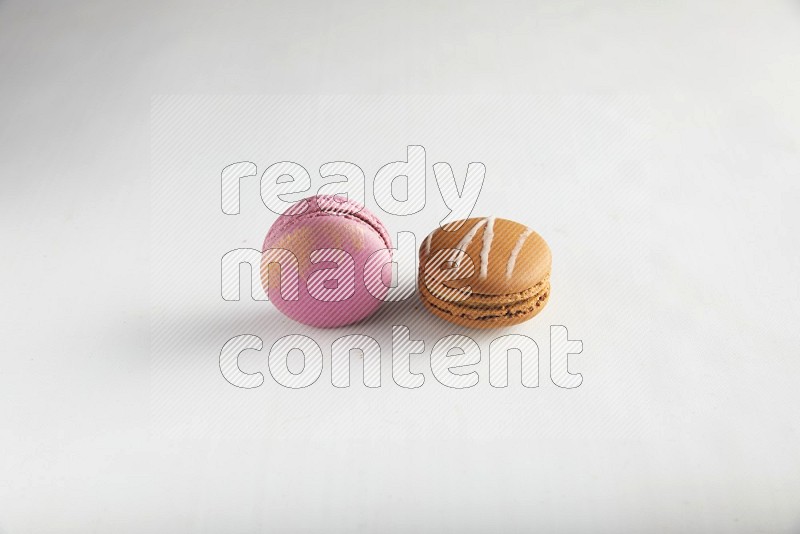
x=489 y=311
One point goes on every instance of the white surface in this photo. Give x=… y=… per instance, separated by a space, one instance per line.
x=687 y=418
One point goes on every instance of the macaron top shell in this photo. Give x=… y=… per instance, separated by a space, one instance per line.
x=322 y=205
x=508 y=256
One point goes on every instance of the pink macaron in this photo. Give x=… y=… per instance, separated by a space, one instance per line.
x=327 y=262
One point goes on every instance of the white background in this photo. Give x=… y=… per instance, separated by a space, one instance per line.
x=655 y=146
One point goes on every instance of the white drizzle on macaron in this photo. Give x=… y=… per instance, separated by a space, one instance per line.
x=488 y=236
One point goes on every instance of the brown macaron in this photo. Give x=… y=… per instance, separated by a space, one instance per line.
x=484 y=272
